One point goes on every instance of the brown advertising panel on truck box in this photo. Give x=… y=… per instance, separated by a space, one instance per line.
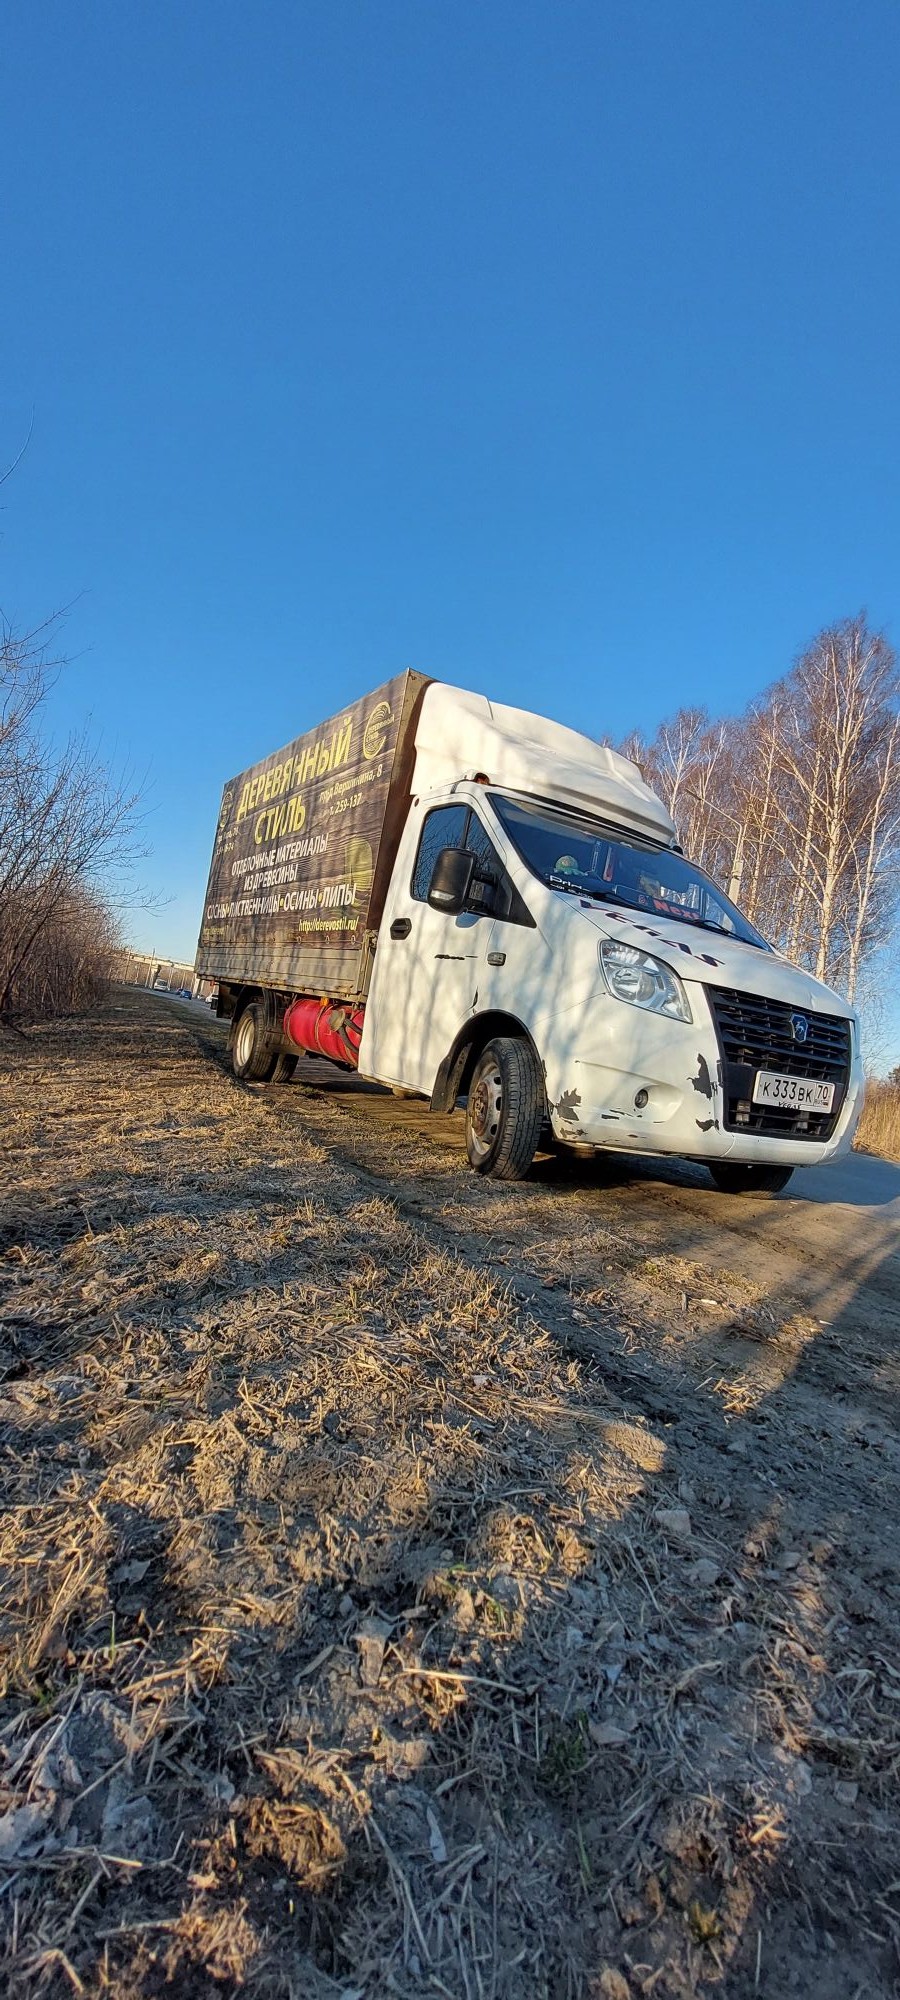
x=295 y=887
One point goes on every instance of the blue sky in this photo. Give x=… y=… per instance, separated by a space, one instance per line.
x=551 y=349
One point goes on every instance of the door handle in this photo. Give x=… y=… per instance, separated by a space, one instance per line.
x=401 y=927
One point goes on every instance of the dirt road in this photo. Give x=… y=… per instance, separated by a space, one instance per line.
x=833 y=1238
x=417 y=1586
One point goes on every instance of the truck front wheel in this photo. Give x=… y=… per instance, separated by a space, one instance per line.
x=254 y=1056
x=732 y=1179
x=505 y=1109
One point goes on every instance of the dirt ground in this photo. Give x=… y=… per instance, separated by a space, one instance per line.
x=419 y=1586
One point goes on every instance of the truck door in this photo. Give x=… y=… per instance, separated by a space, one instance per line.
x=428 y=965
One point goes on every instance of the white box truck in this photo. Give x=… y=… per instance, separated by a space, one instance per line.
x=478 y=905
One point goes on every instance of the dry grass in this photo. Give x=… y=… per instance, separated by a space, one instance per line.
x=879 y=1126
x=375 y=1621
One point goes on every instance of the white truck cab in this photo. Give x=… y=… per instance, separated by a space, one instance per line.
x=474 y=903
x=546 y=950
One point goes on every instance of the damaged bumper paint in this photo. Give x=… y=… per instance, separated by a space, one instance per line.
x=633 y=1081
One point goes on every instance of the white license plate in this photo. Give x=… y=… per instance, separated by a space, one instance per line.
x=792 y=1093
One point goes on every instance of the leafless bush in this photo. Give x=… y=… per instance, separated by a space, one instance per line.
x=67 y=970
x=66 y=830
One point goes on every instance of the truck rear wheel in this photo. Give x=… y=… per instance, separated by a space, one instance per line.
x=732 y=1179
x=285 y=1066
x=505 y=1109
x=255 y=1055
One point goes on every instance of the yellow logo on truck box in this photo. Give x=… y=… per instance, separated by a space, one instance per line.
x=376 y=729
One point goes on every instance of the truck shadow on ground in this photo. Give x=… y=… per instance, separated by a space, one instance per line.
x=472 y=1640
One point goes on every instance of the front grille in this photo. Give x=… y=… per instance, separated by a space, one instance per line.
x=755 y=1033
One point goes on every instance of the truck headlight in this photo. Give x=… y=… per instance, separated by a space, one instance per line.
x=642 y=980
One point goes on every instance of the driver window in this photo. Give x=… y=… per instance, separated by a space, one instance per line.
x=454 y=826
x=478 y=842
x=445 y=827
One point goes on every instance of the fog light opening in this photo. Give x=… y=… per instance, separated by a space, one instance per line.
x=641 y=1097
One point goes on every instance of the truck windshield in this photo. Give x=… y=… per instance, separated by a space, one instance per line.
x=584 y=857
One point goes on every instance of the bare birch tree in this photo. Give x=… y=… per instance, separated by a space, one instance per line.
x=795 y=808
x=838 y=800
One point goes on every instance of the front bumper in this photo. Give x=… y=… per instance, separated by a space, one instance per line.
x=600 y=1069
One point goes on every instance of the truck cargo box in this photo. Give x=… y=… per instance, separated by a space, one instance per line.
x=304 y=848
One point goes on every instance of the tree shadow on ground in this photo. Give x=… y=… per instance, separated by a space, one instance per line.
x=461 y=1653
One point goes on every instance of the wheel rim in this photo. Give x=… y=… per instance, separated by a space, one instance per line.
x=485 y=1110
x=245 y=1039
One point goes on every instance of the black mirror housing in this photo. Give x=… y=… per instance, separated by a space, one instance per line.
x=451 y=880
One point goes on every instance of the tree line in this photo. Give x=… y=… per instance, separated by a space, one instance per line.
x=794 y=807
x=66 y=829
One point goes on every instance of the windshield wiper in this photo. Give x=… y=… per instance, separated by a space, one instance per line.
x=599 y=895
x=675 y=916
x=705 y=924
x=615 y=896
x=566 y=884
x=722 y=930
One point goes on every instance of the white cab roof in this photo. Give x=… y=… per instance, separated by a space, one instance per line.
x=462 y=735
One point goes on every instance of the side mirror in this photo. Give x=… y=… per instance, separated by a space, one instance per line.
x=451 y=880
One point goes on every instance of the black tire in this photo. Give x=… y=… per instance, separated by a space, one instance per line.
x=733 y=1179
x=253 y=1057
x=285 y=1066
x=505 y=1109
